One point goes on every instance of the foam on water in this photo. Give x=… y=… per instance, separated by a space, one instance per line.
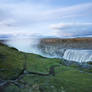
x=78 y=55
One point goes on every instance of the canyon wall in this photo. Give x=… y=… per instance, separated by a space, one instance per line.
x=73 y=49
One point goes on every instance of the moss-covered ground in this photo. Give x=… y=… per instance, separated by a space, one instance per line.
x=66 y=79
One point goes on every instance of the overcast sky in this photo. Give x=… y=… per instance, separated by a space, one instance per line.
x=60 y=18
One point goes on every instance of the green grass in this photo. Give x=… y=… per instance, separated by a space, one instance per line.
x=67 y=79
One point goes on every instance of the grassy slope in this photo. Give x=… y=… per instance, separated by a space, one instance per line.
x=67 y=79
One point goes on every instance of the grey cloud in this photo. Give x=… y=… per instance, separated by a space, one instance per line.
x=37 y=18
x=73 y=29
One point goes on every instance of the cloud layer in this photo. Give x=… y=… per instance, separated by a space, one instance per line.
x=35 y=18
x=73 y=29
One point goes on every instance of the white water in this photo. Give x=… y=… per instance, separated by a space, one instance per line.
x=78 y=55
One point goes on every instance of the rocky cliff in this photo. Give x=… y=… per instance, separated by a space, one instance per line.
x=72 y=49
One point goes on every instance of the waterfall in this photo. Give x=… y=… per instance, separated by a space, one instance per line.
x=78 y=55
x=74 y=49
x=51 y=51
x=49 y=48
